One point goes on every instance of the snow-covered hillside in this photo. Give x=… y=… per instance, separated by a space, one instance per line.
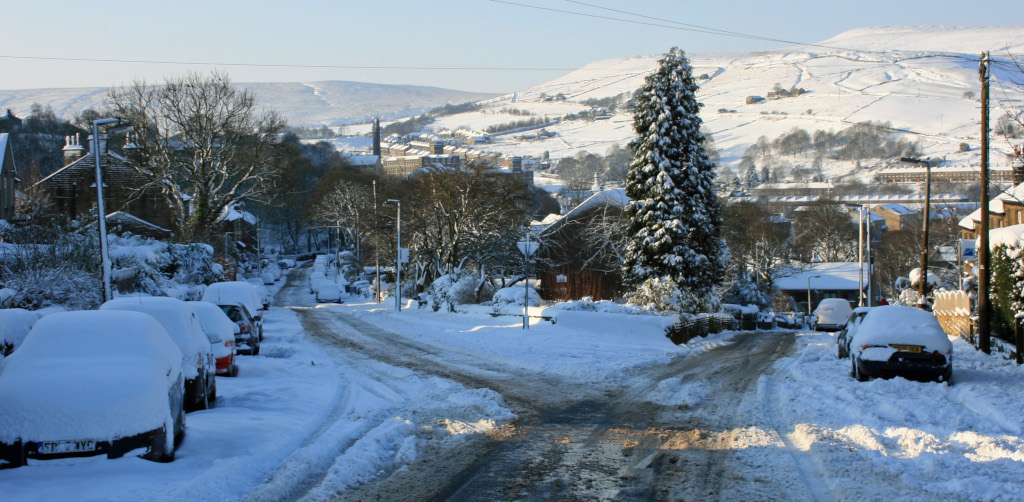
x=923 y=80
x=306 y=103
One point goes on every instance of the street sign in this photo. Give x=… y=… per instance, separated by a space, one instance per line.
x=528 y=247
x=403 y=255
x=969 y=249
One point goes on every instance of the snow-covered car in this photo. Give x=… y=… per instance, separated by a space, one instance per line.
x=267 y=278
x=274 y=270
x=264 y=294
x=320 y=283
x=831 y=314
x=221 y=332
x=92 y=383
x=14 y=326
x=328 y=291
x=315 y=276
x=286 y=263
x=247 y=339
x=901 y=341
x=240 y=293
x=846 y=334
x=180 y=321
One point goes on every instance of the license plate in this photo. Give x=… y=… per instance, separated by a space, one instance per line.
x=53 y=447
x=913 y=349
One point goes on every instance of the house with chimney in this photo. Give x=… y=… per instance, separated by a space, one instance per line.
x=71 y=189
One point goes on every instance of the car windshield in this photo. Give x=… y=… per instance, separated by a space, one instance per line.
x=233 y=313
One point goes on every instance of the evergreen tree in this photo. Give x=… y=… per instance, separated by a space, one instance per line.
x=674 y=213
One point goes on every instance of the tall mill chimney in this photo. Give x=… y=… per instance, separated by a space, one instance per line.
x=1018 y=165
x=376 y=136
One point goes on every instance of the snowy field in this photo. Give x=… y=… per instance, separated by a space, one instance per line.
x=303 y=411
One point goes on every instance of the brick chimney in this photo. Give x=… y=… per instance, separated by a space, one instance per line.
x=73 y=150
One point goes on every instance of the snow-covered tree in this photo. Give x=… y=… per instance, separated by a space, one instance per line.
x=674 y=212
x=201 y=142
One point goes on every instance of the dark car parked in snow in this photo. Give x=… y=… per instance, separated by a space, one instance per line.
x=901 y=341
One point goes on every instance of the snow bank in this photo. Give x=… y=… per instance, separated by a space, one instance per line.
x=915 y=433
x=623 y=324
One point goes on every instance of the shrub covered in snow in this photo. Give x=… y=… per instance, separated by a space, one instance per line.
x=662 y=295
x=587 y=304
x=515 y=296
x=45 y=266
x=14 y=325
x=453 y=289
x=166 y=269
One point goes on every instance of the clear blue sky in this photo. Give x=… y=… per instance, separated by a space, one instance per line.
x=414 y=33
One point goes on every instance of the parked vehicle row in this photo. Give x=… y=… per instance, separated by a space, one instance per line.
x=122 y=377
x=892 y=341
x=324 y=289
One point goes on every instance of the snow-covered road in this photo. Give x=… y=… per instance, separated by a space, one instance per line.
x=357 y=402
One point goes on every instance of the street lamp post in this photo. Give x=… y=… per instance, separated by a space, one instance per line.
x=527 y=248
x=101 y=212
x=398 y=255
x=810 y=300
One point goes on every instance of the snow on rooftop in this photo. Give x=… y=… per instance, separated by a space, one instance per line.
x=1011 y=236
x=1013 y=194
x=615 y=197
x=899 y=209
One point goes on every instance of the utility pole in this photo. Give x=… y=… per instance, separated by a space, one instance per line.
x=860 y=258
x=923 y=286
x=984 y=343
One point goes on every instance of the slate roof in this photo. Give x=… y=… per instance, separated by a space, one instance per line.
x=115 y=172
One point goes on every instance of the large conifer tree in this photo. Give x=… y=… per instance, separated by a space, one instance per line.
x=674 y=214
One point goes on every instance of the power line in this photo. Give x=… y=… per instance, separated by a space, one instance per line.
x=291 y=65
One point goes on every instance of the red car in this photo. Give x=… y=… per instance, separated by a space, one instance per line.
x=221 y=331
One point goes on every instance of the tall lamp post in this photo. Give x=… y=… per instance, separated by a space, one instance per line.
x=810 y=300
x=101 y=211
x=398 y=256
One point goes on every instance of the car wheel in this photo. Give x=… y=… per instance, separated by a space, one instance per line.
x=204 y=402
x=162 y=449
x=233 y=372
x=179 y=428
x=213 y=393
x=856 y=371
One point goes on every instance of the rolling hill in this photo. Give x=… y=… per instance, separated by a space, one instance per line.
x=302 y=104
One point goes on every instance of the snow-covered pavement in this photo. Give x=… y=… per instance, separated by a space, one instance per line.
x=347 y=397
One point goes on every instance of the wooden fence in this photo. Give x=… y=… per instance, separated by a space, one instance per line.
x=953 y=310
x=692 y=326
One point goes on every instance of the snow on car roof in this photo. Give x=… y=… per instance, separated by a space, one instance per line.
x=231 y=292
x=902 y=325
x=214 y=320
x=177 y=317
x=88 y=374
